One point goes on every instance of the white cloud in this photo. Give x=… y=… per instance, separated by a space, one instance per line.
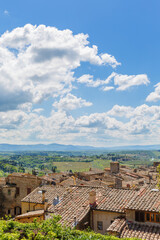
x=71 y=102
x=138 y=125
x=108 y=88
x=39 y=62
x=122 y=81
x=126 y=81
x=154 y=96
x=88 y=80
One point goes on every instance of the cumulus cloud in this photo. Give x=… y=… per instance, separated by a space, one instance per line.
x=154 y=96
x=71 y=102
x=108 y=88
x=39 y=62
x=118 y=125
x=126 y=81
x=120 y=82
x=90 y=82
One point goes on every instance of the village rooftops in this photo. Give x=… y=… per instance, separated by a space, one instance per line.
x=114 y=200
x=146 y=199
x=125 y=229
x=93 y=172
x=22 y=175
x=73 y=207
x=107 y=199
x=50 y=193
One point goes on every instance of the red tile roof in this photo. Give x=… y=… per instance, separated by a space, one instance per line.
x=146 y=199
x=115 y=200
x=126 y=229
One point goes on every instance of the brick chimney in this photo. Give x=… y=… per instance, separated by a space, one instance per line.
x=92 y=199
x=43 y=196
x=45 y=204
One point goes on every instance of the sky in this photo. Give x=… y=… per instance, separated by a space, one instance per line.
x=80 y=72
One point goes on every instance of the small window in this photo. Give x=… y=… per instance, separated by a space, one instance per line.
x=152 y=217
x=28 y=191
x=158 y=218
x=9 y=191
x=17 y=190
x=100 y=225
x=147 y=216
x=9 y=211
x=139 y=216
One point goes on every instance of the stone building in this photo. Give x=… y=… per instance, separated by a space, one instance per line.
x=103 y=209
x=92 y=174
x=14 y=189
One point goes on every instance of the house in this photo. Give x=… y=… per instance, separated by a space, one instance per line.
x=123 y=228
x=93 y=174
x=120 y=212
x=15 y=188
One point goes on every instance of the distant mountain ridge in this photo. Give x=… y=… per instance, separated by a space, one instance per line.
x=60 y=147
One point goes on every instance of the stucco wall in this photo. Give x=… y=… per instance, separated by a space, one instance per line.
x=30 y=219
x=26 y=207
x=105 y=217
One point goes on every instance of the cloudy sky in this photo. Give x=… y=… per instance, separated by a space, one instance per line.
x=80 y=72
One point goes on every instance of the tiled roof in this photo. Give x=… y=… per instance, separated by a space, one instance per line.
x=30 y=214
x=126 y=229
x=74 y=204
x=17 y=174
x=117 y=225
x=115 y=200
x=146 y=199
x=70 y=182
x=92 y=172
x=51 y=192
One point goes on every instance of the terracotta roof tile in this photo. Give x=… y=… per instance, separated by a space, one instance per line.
x=147 y=199
x=115 y=200
x=51 y=192
x=126 y=229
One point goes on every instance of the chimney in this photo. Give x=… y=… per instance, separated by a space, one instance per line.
x=43 y=196
x=118 y=183
x=92 y=199
x=45 y=204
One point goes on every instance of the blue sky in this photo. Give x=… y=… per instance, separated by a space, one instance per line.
x=80 y=72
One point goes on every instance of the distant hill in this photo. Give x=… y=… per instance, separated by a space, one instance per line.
x=61 y=147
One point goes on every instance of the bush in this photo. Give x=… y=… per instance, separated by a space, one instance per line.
x=49 y=229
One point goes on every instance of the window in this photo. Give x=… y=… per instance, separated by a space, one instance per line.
x=100 y=225
x=152 y=217
x=9 y=191
x=28 y=191
x=157 y=217
x=147 y=216
x=139 y=216
x=9 y=211
x=17 y=190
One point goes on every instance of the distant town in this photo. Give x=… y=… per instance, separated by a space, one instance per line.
x=113 y=193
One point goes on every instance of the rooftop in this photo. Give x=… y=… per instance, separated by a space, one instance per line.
x=31 y=214
x=126 y=229
x=51 y=192
x=146 y=199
